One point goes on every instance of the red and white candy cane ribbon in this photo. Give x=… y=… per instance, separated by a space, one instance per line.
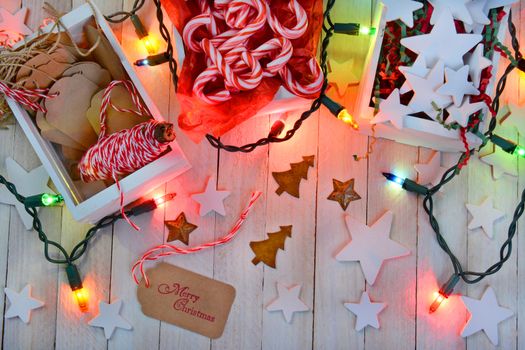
x=123 y=152
x=28 y=98
x=165 y=250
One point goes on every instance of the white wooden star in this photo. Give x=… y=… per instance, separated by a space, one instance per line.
x=418 y=68
x=499 y=3
x=516 y=118
x=371 y=245
x=402 y=10
x=21 y=303
x=477 y=12
x=485 y=315
x=109 y=318
x=211 y=199
x=458 y=8
x=461 y=114
x=484 y=216
x=14 y=25
x=477 y=62
x=288 y=301
x=391 y=110
x=501 y=162
x=431 y=172
x=342 y=75
x=425 y=91
x=27 y=184
x=457 y=85
x=443 y=43
x=366 y=312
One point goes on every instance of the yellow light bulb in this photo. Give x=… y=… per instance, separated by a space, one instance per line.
x=82 y=297
x=151 y=44
x=347 y=118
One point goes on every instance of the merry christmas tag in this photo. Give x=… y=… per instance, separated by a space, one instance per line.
x=186 y=299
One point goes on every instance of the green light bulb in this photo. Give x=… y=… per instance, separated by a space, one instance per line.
x=51 y=199
x=519 y=151
x=367 y=30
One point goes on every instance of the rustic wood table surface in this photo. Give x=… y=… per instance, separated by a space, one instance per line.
x=405 y=284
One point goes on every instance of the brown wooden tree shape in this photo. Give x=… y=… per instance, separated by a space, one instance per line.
x=266 y=251
x=290 y=180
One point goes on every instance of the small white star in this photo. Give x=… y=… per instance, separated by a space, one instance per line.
x=431 y=172
x=418 y=68
x=391 y=110
x=109 y=318
x=477 y=11
x=462 y=114
x=443 y=43
x=457 y=85
x=28 y=184
x=21 y=303
x=458 y=8
x=288 y=301
x=366 y=312
x=425 y=91
x=484 y=216
x=371 y=245
x=402 y=10
x=501 y=162
x=477 y=62
x=516 y=118
x=485 y=315
x=211 y=199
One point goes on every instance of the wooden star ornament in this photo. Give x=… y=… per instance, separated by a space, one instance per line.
x=402 y=10
x=431 y=172
x=391 y=110
x=21 y=304
x=457 y=85
x=485 y=315
x=211 y=199
x=342 y=75
x=371 y=245
x=501 y=163
x=13 y=25
x=366 y=312
x=484 y=216
x=180 y=229
x=109 y=318
x=344 y=193
x=288 y=301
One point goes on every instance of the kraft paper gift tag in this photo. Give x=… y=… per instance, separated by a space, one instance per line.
x=116 y=120
x=43 y=69
x=186 y=299
x=67 y=111
x=104 y=54
x=91 y=71
x=54 y=135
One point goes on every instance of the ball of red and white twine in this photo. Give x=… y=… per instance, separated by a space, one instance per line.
x=123 y=152
x=230 y=61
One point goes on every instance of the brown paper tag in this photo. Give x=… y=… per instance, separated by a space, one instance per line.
x=186 y=299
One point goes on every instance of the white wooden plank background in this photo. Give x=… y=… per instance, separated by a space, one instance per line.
x=405 y=284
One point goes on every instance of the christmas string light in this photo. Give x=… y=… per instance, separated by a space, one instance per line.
x=68 y=259
x=153 y=60
x=353 y=29
x=339 y=112
x=473 y=277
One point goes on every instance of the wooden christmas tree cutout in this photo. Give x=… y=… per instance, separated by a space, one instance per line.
x=266 y=251
x=290 y=180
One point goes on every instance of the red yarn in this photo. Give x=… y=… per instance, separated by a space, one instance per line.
x=25 y=97
x=159 y=252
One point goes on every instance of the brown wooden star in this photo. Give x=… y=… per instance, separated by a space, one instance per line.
x=180 y=229
x=344 y=193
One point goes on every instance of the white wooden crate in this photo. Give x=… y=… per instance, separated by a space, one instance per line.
x=416 y=131
x=135 y=185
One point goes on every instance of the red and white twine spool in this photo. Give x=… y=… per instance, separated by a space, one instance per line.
x=231 y=62
x=125 y=151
